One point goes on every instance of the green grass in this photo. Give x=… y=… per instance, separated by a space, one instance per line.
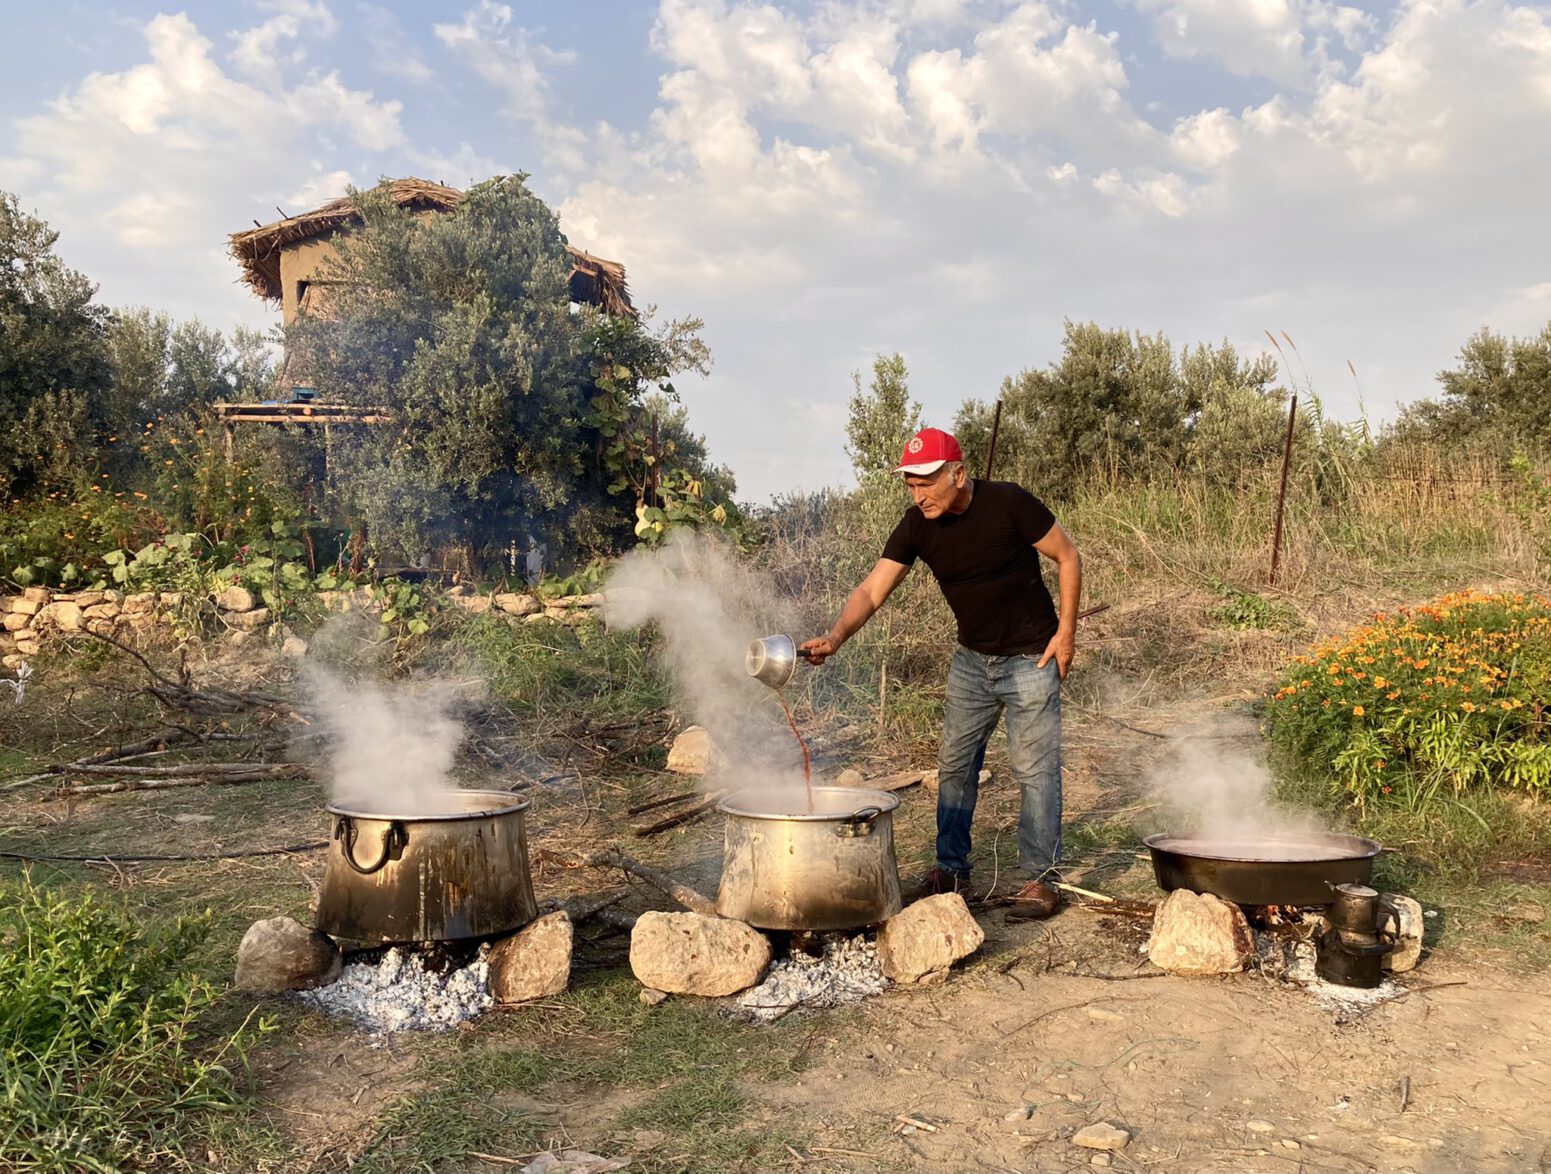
x=105 y=1048
x=596 y=1041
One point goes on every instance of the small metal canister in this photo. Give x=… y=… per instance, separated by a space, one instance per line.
x=461 y=872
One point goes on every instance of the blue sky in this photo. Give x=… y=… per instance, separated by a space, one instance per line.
x=823 y=182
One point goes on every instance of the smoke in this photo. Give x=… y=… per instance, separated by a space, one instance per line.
x=389 y=748
x=708 y=606
x=1213 y=785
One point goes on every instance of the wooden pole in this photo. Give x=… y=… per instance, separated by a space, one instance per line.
x=996 y=424
x=1281 y=493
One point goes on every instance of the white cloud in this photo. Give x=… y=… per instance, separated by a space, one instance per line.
x=148 y=169
x=392 y=52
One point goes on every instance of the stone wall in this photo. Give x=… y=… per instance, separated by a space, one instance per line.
x=39 y=614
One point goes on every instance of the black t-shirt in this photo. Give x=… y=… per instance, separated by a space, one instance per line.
x=985 y=562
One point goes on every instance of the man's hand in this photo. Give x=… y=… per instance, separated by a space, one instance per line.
x=1062 y=646
x=820 y=649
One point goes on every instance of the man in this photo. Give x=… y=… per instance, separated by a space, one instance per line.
x=982 y=540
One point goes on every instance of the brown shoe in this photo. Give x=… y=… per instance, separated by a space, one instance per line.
x=1035 y=901
x=939 y=880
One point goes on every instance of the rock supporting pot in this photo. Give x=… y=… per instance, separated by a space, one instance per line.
x=459 y=872
x=784 y=867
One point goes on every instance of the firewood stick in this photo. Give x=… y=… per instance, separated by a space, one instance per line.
x=664 y=800
x=584 y=905
x=1082 y=892
x=673 y=821
x=693 y=901
x=231 y=778
x=193 y=768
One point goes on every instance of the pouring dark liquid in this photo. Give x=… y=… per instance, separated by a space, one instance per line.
x=807 y=774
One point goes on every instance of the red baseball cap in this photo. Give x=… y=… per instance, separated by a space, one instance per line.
x=927 y=451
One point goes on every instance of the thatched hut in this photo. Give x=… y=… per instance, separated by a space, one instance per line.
x=284 y=261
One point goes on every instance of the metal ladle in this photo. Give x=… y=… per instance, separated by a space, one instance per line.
x=773 y=659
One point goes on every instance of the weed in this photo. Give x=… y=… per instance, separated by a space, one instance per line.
x=100 y=1034
x=1242 y=610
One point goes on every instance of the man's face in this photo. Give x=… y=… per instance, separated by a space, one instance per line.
x=935 y=492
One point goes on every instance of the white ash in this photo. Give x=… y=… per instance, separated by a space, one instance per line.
x=847 y=972
x=1334 y=996
x=398 y=993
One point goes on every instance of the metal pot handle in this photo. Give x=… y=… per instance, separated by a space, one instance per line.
x=858 y=823
x=394 y=840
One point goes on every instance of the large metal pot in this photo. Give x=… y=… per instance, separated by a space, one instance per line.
x=784 y=867
x=1285 y=870
x=459 y=872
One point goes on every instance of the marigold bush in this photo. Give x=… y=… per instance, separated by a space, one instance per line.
x=1432 y=700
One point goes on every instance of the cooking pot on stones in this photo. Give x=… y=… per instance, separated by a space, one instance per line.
x=786 y=867
x=460 y=871
x=1301 y=869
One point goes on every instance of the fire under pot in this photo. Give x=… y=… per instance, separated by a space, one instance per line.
x=460 y=871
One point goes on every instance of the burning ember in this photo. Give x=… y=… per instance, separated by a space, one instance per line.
x=846 y=972
x=399 y=993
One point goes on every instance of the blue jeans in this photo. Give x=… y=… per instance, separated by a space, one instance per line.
x=980 y=688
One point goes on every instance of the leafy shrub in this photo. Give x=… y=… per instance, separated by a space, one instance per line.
x=59 y=540
x=1427 y=703
x=1242 y=610
x=100 y=1041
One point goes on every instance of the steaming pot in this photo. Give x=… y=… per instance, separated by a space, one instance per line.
x=784 y=867
x=460 y=872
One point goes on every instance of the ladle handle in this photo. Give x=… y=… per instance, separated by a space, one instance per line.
x=394 y=841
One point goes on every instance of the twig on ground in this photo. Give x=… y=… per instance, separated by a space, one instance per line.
x=688 y=815
x=1082 y=892
x=226 y=774
x=694 y=901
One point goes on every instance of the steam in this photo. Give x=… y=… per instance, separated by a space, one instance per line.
x=708 y=607
x=1211 y=785
x=390 y=748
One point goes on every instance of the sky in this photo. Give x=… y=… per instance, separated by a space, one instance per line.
x=825 y=182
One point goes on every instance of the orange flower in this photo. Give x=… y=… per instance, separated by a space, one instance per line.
x=1468 y=706
x=1358 y=711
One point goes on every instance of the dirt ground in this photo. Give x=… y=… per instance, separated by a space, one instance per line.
x=1064 y=1017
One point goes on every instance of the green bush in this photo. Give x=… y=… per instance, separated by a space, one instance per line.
x=1426 y=704
x=102 y=1059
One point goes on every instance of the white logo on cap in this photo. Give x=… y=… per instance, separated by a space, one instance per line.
x=915 y=445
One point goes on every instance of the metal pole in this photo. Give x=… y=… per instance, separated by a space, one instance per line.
x=1281 y=493
x=996 y=423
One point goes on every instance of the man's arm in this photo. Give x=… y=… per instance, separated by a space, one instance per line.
x=873 y=592
x=1060 y=549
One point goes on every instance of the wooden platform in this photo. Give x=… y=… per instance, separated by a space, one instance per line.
x=300 y=413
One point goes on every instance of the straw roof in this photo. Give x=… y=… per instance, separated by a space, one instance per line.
x=257 y=250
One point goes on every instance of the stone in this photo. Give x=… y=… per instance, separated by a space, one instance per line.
x=236 y=598
x=280 y=954
x=1408 y=922
x=101 y=627
x=569 y=601
x=571 y=1162
x=692 y=954
x=473 y=604
x=1105 y=1015
x=101 y=611
x=38 y=595
x=850 y=777
x=919 y=943
x=248 y=621
x=15 y=621
x=65 y=616
x=572 y=617
x=190 y=817
x=141 y=601
x=1102 y=1136
x=26 y=607
x=537 y=617
x=13 y=660
x=171 y=598
x=535 y=962
x=653 y=997
x=1289 y=1144
x=1100 y=1159
x=1021 y=1113
x=515 y=603
x=237 y=636
x=1259 y=1126
x=27 y=644
x=109 y=595
x=693 y=752
x=90 y=599
x=1197 y=934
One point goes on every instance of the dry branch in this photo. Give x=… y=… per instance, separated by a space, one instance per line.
x=681 y=817
x=692 y=900
x=198 y=776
